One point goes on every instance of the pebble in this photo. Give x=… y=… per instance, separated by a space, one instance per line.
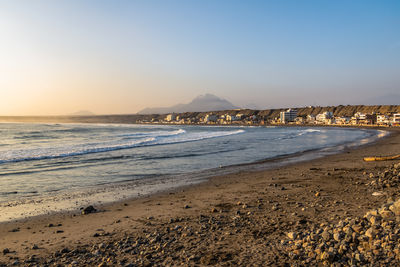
x=355 y=241
x=292 y=235
x=88 y=210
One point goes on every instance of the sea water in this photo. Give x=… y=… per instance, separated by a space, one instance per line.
x=50 y=167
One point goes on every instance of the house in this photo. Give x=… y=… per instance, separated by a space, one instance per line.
x=324 y=117
x=396 y=119
x=360 y=116
x=310 y=118
x=231 y=118
x=170 y=117
x=240 y=116
x=382 y=119
x=210 y=118
x=288 y=116
x=300 y=120
x=342 y=120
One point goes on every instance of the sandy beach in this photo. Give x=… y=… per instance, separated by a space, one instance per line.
x=237 y=219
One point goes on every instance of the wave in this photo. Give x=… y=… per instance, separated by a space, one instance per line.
x=173 y=137
x=303 y=132
x=154 y=134
x=299 y=133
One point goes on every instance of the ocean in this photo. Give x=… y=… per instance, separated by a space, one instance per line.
x=52 y=167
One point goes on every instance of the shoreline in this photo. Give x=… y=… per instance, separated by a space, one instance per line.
x=132 y=217
x=115 y=192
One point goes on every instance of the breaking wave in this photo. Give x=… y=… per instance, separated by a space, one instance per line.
x=126 y=141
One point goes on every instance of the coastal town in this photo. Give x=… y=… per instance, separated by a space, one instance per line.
x=287 y=117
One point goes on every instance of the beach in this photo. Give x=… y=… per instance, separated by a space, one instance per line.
x=229 y=220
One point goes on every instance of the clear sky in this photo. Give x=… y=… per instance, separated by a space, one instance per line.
x=58 y=57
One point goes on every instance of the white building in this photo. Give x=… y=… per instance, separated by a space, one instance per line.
x=382 y=119
x=342 y=120
x=310 y=118
x=288 y=115
x=396 y=119
x=360 y=116
x=324 y=117
x=170 y=117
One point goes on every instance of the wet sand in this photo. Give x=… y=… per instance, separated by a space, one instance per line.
x=236 y=219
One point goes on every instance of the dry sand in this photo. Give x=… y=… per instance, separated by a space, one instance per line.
x=237 y=219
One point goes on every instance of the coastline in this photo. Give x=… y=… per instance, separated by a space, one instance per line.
x=137 y=217
x=113 y=192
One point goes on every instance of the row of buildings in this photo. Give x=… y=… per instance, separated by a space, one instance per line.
x=289 y=116
x=327 y=118
x=212 y=118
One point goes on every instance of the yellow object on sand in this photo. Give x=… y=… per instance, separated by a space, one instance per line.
x=381 y=158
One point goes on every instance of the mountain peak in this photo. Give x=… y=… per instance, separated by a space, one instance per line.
x=201 y=103
x=207 y=97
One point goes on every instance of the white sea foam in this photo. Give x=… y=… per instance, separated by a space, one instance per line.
x=303 y=132
x=146 y=139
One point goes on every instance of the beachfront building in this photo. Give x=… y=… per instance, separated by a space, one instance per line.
x=342 y=120
x=396 y=119
x=250 y=120
x=310 y=118
x=170 y=117
x=240 y=116
x=325 y=117
x=358 y=118
x=362 y=118
x=382 y=119
x=300 y=120
x=231 y=118
x=288 y=116
x=210 y=118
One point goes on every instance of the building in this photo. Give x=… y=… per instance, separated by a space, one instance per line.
x=231 y=118
x=310 y=118
x=360 y=116
x=342 y=120
x=382 y=119
x=170 y=117
x=210 y=118
x=300 y=120
x=396 y=119
x=324 y=117
x=288 y=116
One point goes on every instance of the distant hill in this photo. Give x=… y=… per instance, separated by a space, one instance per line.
x=82 y=113
x=266 y=114
x=202 y=103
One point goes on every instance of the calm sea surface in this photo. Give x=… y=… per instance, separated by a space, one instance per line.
x=43 y=162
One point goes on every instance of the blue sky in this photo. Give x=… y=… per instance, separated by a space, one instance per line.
x=122 y=56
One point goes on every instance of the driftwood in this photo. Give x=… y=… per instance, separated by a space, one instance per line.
x=381 y=158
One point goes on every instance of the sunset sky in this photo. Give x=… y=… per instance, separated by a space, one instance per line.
x=58 y=57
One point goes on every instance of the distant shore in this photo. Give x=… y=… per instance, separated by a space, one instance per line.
x=232 y=219
x=236 y=116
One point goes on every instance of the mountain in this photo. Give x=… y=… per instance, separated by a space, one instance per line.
x=202 y=103
x=82 y=113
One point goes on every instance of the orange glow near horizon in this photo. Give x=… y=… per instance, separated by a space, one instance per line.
x=118 y=57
